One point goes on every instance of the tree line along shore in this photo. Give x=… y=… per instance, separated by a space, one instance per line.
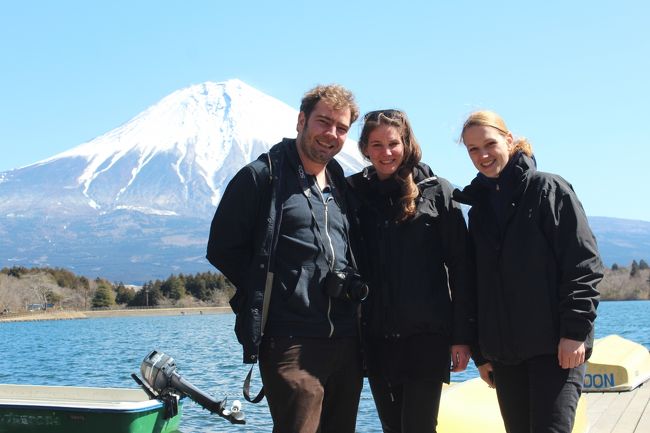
x=34 y=289
x=57 y=292
x=57 y=314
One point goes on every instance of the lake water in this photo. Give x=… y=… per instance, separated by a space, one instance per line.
x=104 y=352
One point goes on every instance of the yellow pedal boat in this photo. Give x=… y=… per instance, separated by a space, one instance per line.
x=617 y=364
x=472 y=406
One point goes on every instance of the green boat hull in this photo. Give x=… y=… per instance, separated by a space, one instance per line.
x=36 y=409
x=57 y=421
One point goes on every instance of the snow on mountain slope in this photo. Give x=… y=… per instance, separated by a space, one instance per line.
x=175 y=158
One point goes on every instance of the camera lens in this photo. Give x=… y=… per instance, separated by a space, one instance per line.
x=357 y=289
x=346 y=284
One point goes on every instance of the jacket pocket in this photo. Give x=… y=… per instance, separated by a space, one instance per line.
x=300 y=291
x=286 y=278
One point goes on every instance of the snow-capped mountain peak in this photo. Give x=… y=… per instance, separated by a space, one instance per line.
x=176 y=156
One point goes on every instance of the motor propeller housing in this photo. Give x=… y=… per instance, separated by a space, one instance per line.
x=160 y=373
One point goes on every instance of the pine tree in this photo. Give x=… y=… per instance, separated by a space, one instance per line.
x=174 y=287
x=643 y=264
x=148 y=296
x=104 y=297
x=634 y=269
x=124 y=294
x=614 y=267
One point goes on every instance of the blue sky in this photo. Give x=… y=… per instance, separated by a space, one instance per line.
x=572 y=76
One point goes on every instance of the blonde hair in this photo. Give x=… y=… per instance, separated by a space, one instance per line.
x=412 y=155
x=493 y=120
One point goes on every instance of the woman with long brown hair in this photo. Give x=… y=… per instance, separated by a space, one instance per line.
x=418 y=318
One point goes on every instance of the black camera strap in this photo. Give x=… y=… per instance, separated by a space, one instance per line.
x=247 y=387
x=275 y=216
x=306 y=191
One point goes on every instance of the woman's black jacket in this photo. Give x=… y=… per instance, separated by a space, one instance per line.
x=419 y=271
x=537 y=274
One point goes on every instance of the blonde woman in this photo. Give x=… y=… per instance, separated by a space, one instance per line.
x=537 y=267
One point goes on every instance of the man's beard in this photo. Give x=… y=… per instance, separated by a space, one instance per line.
x=310 y=152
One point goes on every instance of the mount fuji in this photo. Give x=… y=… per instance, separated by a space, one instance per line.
x=136 y=203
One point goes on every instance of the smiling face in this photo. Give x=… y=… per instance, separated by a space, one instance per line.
x=321 y=136
x=385 y=150
x=488 y=148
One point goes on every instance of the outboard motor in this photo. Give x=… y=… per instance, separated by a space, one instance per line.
x=160 y=377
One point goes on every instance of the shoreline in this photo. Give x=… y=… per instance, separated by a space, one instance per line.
x=135 y=312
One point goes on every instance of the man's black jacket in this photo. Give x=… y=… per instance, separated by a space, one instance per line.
x=244 y=237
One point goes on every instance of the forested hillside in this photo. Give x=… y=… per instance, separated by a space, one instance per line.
x=22 y=289
x=42 y=288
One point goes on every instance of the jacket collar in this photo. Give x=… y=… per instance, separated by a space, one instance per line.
x=421 y=173
x=517 y=170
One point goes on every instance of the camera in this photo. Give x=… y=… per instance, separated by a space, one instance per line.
x=346 y=284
